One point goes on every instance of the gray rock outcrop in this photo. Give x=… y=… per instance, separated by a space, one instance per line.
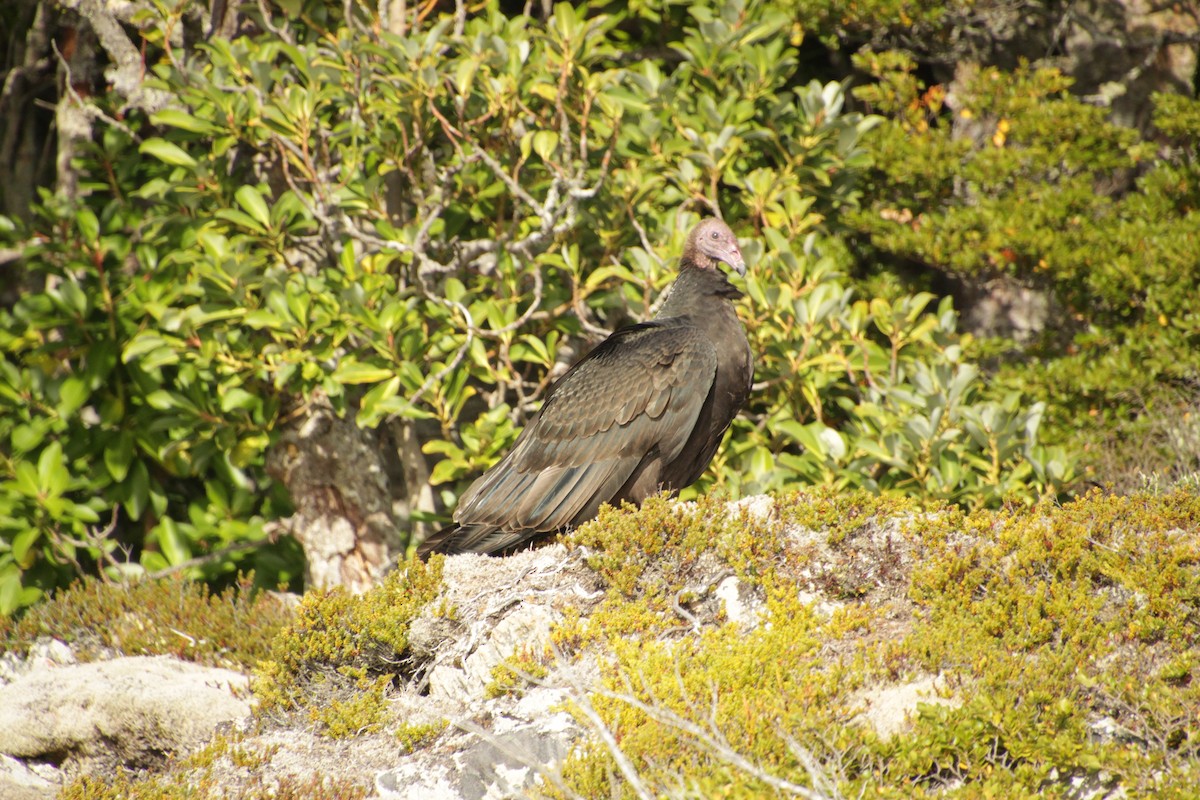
x=130 y=712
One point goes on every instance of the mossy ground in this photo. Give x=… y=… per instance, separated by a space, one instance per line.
x=232 y=629
x=338 y=657
x=326 y=664
x=1067 y=638
x=1066 y=641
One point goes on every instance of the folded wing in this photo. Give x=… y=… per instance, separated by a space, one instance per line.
x=628 y=407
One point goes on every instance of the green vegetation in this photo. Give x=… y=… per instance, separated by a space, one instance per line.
x=1045 y=625
x=418 y=226
x=415 y=736
x=1064 y=640
x=1023 y=179
x=203 y=788
x=422 y=223
x=233 y=628
x=338 y=656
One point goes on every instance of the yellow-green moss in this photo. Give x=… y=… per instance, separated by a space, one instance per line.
x=203 y=776
x=415 y=736
x=362 y=709
x=340 y=652
x=1042 y=622
x=514 y=674
x=646 y=558
x=230 y=746
x=162 y=617
x=205 y=787
x=840 y=513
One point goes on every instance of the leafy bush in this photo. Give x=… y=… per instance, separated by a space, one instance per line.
x=1023 y=179
x=424 y=227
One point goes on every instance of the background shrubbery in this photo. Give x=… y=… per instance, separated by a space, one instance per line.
x=424 y=221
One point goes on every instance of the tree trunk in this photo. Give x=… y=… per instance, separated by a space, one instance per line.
x=336 y=474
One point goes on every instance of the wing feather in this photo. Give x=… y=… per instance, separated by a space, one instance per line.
x=638 y=393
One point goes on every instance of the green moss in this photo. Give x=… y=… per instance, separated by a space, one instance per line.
x=1042 y=623
x=644 y=557
x=362 y=710
x=204 y=787
x=232 y=747
x=340 y=653
x=414 y=737
x=1055 y=618
x=840 y=513
x=162 y=617
x=513 y=675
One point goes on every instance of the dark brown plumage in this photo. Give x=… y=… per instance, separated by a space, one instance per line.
x=643 y=412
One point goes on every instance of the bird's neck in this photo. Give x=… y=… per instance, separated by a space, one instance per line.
x=697 y=286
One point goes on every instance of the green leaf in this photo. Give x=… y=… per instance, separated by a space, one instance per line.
x=379 y=402
x=250 y=200
x=184 y=120
x=22 y=547
x=141 y=344
x=52 y=471
x=89 y=226
x=167 y=152
x=545 y=143
x=136 y=490
x=238 y=397
x=10 y=589
x=73 y=393
x=25 y=479
x=356 y=372
x=26 y=438
x=262 y=318
x=171 y=540
x=84 y=513
x=445 y=471
x=239 y=218
x=162 y=400
x=118 y=456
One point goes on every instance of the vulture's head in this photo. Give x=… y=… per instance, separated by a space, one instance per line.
x=712 y=241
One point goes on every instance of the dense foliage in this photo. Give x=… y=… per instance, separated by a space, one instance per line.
x=1022 y=179
x=427 y=221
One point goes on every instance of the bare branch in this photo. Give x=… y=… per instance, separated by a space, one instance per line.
x=207 y=558
x=88 y=109
x=715 y=744
x=128 y=69
x=610 y=743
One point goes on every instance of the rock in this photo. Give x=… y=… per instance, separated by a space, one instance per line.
x=45 y=653
x=741 y=604
x=526 y=740
x=889 y=708
x=501 y=607
x=131 y=711
x=492 y=747
x=19 y=781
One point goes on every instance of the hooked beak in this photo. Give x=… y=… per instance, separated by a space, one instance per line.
x=733 y=257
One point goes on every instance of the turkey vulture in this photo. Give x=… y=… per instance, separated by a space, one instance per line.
x=643 y=412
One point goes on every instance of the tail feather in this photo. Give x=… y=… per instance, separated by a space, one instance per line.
x=482 y=539
x=442 y=541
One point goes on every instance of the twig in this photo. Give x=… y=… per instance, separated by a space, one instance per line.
x=714 y=744
x=610 y=743
x=200 y=561
x=87 y=108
